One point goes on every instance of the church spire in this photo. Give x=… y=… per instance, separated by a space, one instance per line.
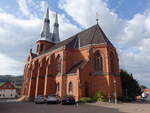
x=45 y=31
x=55 y=35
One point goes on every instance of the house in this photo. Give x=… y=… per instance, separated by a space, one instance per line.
x=81 y=65
x=146 y=92
x=7 y=90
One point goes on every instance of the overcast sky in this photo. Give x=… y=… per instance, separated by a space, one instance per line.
x=125 y=22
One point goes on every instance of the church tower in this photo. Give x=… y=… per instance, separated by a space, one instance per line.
x=45 y=41
x=55 y=35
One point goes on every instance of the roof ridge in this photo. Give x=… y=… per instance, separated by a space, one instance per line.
x=91 y=35
x=79 y=33
x=72 y=37
x=105 y=38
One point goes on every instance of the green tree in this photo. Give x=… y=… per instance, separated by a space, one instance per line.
x=143 y=87
x=131 y=87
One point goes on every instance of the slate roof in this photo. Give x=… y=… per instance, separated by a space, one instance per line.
x=33 y=55
x=92 y=35
x=77 y=65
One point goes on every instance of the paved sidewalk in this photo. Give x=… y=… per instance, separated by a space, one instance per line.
x=126 y=107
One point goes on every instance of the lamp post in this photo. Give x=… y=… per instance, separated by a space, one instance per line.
x=115 y=92
x=126 y=92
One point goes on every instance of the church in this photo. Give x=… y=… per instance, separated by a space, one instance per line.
x=81 y=65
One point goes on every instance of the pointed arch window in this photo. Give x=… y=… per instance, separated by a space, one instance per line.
x=37 y=47
x=98 y=62
x=70 y=88
x=58 y=63
x=41 y=47
x=112 y=63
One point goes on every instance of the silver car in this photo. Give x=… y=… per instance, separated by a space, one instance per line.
x=53 y=99
x=40 y=100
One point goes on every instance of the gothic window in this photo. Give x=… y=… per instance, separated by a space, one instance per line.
x=37 y=47
x=70 y=88
x=112 y=63
x=41 y=48
x=58 y=65
x=98 y=62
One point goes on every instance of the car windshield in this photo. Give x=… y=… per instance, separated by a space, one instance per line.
x=40 y=97
x=52 y=96
x=68 y=97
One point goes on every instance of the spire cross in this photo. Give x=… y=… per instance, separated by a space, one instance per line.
x=97 y=19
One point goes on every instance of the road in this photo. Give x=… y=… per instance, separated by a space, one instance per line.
x=29 y=107
x=11 y=106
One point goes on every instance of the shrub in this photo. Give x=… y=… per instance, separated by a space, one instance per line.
x=86 y=99
x=99 y=96
x=27 y=99
x=125 y=99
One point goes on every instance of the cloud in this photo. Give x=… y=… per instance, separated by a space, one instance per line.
x=8 y=65
x=13 y=29
x=24 y=7
x=136 y=30
x=132 y=37
x=18 y=35
x=86 y=17
x=28 y=8
x=135 y=38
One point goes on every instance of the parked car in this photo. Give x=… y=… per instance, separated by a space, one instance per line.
x=40 y=100
x=53 y=99
x=146 y=99
x=68 y=100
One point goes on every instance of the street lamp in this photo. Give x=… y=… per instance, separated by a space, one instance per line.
x=115 y=92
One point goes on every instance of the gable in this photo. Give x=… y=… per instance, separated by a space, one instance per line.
x=7 y=85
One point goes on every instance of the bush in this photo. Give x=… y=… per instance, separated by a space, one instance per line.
x=27 y=99
x=125 y=99
x=86 y=99
x=99 y=96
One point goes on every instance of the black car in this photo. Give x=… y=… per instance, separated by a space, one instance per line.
x=40 y=100
x=68 y=100
x=53 y=99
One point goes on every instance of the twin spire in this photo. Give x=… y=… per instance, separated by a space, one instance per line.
x=45 y=31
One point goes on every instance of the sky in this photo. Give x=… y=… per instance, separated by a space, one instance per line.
x=125 y=22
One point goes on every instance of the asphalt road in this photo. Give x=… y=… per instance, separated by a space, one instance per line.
x=20 y=107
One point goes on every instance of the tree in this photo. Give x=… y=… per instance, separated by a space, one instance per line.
x=143 y=87
x=131 y=87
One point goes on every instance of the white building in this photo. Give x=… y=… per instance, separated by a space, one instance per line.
x=8 y=90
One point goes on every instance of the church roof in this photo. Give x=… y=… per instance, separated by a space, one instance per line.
x=33 y=55
x=92 y=35
x=78 y=65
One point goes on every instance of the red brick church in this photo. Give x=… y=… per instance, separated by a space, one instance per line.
x=81 y=65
